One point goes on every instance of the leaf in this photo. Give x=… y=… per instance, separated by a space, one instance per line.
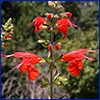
x=58 y=59
x=61 y=40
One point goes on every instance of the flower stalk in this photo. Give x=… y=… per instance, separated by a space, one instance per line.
x=51 y=70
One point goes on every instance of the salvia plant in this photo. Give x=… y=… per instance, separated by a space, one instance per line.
x=55 y=24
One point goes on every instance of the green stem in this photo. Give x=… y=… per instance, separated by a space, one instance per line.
x=51 y=85
x=51 y=52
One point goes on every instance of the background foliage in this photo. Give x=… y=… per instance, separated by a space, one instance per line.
x=24 y=39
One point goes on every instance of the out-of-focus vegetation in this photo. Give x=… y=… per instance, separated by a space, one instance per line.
x=24 y=39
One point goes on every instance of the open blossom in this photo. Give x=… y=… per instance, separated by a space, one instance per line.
x=27 y=63
x=38 y=22
x=63 y=25
x=75 y=57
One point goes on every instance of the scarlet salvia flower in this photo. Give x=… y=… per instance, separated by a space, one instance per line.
x=63 y=25
x=75 y=57
x=27 y=63
x=50 y=47
x=38 y=22
x=57 y=47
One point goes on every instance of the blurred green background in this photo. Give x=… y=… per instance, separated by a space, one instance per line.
x=15 y=85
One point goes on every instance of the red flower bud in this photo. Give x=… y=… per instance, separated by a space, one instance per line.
x=11 y=32
x=49 y=28
x=57 y=47
x=68 y=14
x=10 y=36
x=4 y=46
x=50 y=16
x=6 y=36
x=50 y=47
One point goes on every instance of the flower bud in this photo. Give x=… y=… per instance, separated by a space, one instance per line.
x=50 y=16
x=43 y=27
x=46 y=14
x=4 y=46
x=60 y=43
x=50 y=3
x=57 y=47
x=50 y=47
x=68 y=14
x=10 y=36
x=11 y=32
x=49 y=28
x=60 y=7
x=56 y=16
x=56 y=2
x=6 y=36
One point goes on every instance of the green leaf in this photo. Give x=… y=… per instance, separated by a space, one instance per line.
x=61 y=40
x=58 y=59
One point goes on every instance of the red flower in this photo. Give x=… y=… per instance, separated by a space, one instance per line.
x=75 y=57
x=27 y=63
x=38 y=22
x=63 y=25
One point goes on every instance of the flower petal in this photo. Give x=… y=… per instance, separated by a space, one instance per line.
x=32 y=72
x=74 y=67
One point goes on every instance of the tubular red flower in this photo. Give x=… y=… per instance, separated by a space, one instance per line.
x=63 y=25
x=77 y=54
x=27 y=63
x=38 y=22
x=75 y=57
